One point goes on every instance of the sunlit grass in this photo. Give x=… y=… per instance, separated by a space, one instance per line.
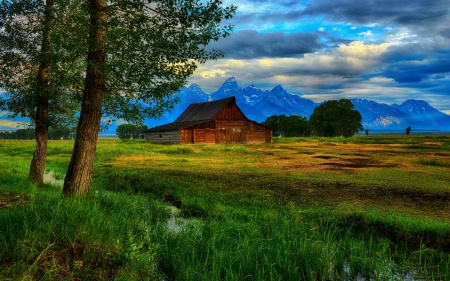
x=298 y=209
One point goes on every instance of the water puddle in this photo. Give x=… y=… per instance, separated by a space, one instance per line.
x=389 y=273
x=50 y=178
x=176 y=224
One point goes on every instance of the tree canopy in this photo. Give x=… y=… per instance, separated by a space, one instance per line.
x=336 y=118
x=288 y=126
x=37 y=75
x=408 y=131
x=119 y=58
x=34 y=69
x=138 y=54
x=130 y=131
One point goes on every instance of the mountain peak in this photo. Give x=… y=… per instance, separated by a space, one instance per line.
x=278 y=88
x=195 y=87
x=230 y=80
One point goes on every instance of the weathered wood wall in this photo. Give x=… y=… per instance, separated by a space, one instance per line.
x=269 y=136
x=256 y=137
x=163 y=137
x=205 y=136
x=230 y=112
x=230 y=126
x=187 y=136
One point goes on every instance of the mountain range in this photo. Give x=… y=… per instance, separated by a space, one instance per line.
x=258 y=104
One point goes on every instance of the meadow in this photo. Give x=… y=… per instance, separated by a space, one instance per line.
x=360 y=208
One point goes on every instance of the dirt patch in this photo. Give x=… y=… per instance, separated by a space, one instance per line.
x=285 y=158
x=326 y=157
x=361 y=155
x=359 y=163
x=419 y=196
x=8 y=201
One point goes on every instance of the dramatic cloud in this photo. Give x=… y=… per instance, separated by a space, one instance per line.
x=384 y=50
x=248 y=44
x=364 y=12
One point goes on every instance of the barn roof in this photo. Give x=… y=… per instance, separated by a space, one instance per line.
x=204 y=111
x=173 y=126
x=196 y=113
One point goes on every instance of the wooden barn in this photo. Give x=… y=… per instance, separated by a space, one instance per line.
x=220 y=121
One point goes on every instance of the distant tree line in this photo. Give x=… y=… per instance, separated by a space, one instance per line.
x=130 y=131
x=30 y=134
x=289 y=126
x=333 y=118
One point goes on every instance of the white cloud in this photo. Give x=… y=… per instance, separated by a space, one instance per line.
x=366 y=34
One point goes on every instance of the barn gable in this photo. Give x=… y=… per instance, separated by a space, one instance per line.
x=220 y=121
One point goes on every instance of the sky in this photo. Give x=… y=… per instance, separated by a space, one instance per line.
x=388 y=51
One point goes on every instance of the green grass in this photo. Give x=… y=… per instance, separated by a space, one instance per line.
x=247 y=212
x=432 y=162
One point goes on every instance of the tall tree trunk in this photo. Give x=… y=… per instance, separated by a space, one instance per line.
x=79 y=173
x=37 y=167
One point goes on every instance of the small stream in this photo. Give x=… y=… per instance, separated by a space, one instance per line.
x=176 y=224
x=50 y=178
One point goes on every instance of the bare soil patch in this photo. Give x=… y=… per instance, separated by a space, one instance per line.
x=359 y=163
x=8 y=200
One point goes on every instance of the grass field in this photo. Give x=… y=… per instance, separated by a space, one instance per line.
x=299 y=209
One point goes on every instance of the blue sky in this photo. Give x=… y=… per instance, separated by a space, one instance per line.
x=382 y=50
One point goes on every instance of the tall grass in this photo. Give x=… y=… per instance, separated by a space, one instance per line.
x=236 y=219
x=104 y=236
x=432 y=162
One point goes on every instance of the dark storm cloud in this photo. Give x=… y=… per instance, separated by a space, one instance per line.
x=277 y=16
x=409 y=70
x=284 y=3
x=250 y=44
x=402 y=12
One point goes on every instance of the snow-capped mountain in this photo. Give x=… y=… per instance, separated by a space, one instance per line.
x=258 y=104
x=380 y=116
x=426 y=113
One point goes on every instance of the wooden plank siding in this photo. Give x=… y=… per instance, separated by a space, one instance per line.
x=230 y=112
x=205 y=136
x=163 y=137
x=187 y=136
x=256 y=136
x=226 y=124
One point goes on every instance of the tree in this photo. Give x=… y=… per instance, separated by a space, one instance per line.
x=138 y=54
x=408 y=130
x=288 y=126
x=336 y=118
x=128 y=131
x=367 y=132
x=33 y=73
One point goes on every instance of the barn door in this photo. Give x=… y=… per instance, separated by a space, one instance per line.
x=222 y=135
x=187 y=136
x=238 y=135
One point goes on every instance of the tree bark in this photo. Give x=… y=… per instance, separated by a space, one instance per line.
x=37 y=167
x=80 y=170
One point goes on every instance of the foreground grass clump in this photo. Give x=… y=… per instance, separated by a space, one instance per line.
x=299 y=209
x=102 y=237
